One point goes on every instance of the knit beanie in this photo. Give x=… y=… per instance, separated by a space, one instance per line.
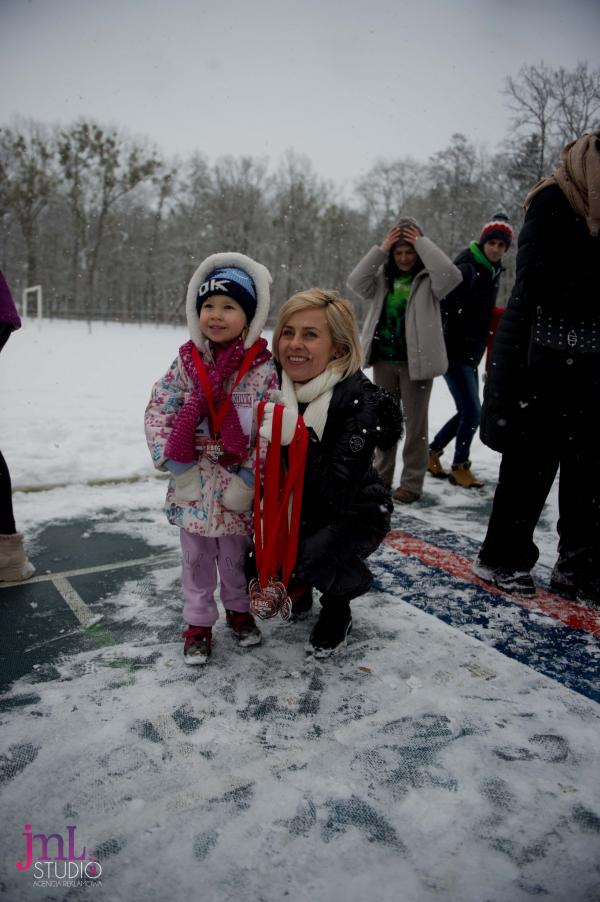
x=233 y=282
x=406 y=222
x=498 y=227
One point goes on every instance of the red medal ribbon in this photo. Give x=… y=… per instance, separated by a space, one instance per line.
x=217 y=417
x=277 y=526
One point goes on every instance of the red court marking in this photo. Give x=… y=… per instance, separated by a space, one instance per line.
x=573 y=614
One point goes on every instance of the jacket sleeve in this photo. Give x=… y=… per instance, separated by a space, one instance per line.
x=454 y=298
x=505 y=387
x=363 y=278
x=166 y=399
x=444 y=274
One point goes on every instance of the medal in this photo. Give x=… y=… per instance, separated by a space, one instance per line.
x=269 y=601
x=211 y=448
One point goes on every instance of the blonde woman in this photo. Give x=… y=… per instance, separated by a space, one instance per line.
x=345 y=506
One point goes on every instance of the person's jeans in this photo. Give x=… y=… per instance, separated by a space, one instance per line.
x=463 y=383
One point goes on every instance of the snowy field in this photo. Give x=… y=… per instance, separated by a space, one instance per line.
x=422 y=765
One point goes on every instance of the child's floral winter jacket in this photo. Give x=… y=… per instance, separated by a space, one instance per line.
x=208 y=515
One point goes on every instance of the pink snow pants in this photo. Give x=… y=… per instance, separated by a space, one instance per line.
x=201 y=557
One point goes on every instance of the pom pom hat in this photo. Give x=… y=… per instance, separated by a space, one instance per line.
x=238 y=276
x=498 y=227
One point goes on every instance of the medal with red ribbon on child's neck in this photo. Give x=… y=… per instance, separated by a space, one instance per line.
x=212 y=446
x=277 y=519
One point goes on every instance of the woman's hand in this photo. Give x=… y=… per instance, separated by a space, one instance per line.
x=394 y=235
x=288 y=424
x=410 y=234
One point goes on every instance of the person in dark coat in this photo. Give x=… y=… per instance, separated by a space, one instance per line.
x=14 y=565
x=467 y=314
x=346 y=509
x=543 y=385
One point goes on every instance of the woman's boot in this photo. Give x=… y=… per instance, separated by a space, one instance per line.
x=434 y=466
x=462 y=475
x=14 y=565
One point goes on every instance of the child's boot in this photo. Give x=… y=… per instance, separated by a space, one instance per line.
x=14 y=565
x=244 y=627
x=198 y=644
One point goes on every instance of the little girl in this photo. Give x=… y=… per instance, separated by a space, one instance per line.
x=201 y=427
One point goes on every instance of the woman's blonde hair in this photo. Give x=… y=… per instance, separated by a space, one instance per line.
x=340 y=319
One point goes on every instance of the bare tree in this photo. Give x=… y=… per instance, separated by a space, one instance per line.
x=578 y=98
x=299 y=198
x=388 y=189
x=458 y=196
x=99 y=167
x=26 y=183
x=552 y=107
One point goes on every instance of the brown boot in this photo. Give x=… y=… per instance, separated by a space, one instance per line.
x=405 y=496
x=434 y=466
x=461 y=475
x=14 y=565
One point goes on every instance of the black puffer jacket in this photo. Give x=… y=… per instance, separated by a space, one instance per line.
x=557 y=278
x=345 y=507
x=467 y=311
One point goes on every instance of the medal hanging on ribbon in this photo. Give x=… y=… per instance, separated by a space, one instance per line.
x=212 y=446
x=277 y=523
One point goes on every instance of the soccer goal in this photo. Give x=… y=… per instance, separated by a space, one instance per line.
x=36 y=291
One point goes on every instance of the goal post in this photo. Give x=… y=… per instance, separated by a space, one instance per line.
x=36 y=291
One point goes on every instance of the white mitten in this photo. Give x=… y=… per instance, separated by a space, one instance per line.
x=238 y=496
x=188 y=486
x=288 y=424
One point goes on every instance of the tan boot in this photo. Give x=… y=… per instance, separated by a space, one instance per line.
x=434 y=466
x=14 y=565
x=405 y=496
x=461 y=475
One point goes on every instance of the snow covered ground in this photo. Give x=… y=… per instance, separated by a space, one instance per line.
x=423 y=764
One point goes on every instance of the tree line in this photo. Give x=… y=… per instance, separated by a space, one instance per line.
x=112 y=230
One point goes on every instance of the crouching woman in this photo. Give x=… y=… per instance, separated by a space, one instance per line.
x=346 y=509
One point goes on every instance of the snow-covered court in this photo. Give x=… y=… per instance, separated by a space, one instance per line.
x=450 y=753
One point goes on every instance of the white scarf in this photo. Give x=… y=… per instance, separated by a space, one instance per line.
x=317 y=393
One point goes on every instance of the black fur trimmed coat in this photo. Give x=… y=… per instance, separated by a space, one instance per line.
x=346 y=509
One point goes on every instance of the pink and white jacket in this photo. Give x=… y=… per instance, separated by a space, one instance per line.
x=208 y=516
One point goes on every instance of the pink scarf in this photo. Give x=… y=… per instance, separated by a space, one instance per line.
x=181 y=446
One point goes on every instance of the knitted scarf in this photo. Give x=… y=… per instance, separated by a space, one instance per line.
x=316 y=393
x=578 y=177
x=180 y=446
x=480 y=257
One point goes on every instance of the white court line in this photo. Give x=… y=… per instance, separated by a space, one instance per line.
x=162 y=558
x=71 y=596
x=75 y=601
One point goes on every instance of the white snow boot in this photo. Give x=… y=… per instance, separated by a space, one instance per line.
x=14 y=565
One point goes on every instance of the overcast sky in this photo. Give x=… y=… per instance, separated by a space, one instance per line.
x=343 y=81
